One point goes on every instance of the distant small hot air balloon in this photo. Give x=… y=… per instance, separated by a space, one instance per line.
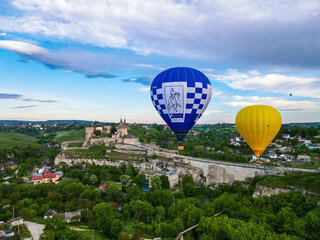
x=180 y=95
x=258 y=125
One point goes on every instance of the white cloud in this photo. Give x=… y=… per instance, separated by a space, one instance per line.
x=149 y=66
x=273 y=82
x=3 y=34
x=23 y=48
x=219 y=94
x=281 y=104
x=210 y=112
x=207 y=70
x=234 y=29
x=145 y=89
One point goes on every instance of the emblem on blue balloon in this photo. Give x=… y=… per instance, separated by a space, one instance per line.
x=181 y=95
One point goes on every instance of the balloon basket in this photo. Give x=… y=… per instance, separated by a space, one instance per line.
x=180 y=147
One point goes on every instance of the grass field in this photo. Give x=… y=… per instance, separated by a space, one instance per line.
x=12 y=139
x=75 y=144
x=72 y=135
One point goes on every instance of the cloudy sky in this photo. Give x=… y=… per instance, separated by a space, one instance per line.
x=95 y=60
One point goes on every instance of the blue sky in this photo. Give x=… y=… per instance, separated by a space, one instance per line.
x=95 y=60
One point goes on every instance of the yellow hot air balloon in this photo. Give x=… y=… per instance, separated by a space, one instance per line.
x=258 y=125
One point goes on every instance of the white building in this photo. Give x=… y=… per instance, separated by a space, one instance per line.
x=304 y=158
x=15 y=221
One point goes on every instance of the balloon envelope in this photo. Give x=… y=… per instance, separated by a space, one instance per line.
x=258 y=125
x=181 y=95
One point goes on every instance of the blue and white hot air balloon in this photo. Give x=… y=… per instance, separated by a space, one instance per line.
x=181 y=95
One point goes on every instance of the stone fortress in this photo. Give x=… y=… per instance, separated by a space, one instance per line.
x=120 y=136
x=152 y=158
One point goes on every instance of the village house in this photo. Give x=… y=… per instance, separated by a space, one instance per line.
x=37 y=179
x=48 y=177
x=15 y=221
x=49 y=214
x=285 y=149
x=173 y=177
x=11 y=164
x=71 y=216
x=303 y=158
x=286 y=136
x=6 y=233
x=103 y=187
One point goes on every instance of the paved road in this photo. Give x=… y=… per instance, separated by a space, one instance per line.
x=35 y=229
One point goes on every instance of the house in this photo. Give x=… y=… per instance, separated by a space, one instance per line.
x=99 y=128
x=289 y=156
x=304 y=158
x=103 y=187
x=6 y=233
x=37 y=179
x=69 y=216
x=50 y=178
x=130 y=139
x=274 y=145
x=173 y=177
x=11 y=164
x=285 y=149
x=49 y=214
x=273 y=155
x=286 y=136
x=234 y=140
x=15 y=221
x=60 y=173
x=235 y=144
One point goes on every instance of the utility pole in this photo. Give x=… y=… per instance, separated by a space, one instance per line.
x=13 y=212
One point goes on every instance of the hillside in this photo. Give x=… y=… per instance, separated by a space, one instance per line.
x=12 y=139
x=71 y=135
x=307 y=181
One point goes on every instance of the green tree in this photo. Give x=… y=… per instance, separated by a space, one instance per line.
x=115 y=229
x=124 y=236
x=140 y=180
x=54 y=197
x=126 y=182
x=155 y=182
x=187 y=179
x=312 y=225
x=135 y=193
x=97 y=132
x=104 y=217
x=114 y=193
x=165 y=184
x=131 y=171
x=113 y=128
x=93 y=179
x=189 y=189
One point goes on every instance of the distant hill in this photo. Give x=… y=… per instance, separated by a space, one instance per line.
x=23 y=122
x=307 y=124
x=199 y=126
x=12 y=139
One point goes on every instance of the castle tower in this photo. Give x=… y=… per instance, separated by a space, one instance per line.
x=122 y=128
